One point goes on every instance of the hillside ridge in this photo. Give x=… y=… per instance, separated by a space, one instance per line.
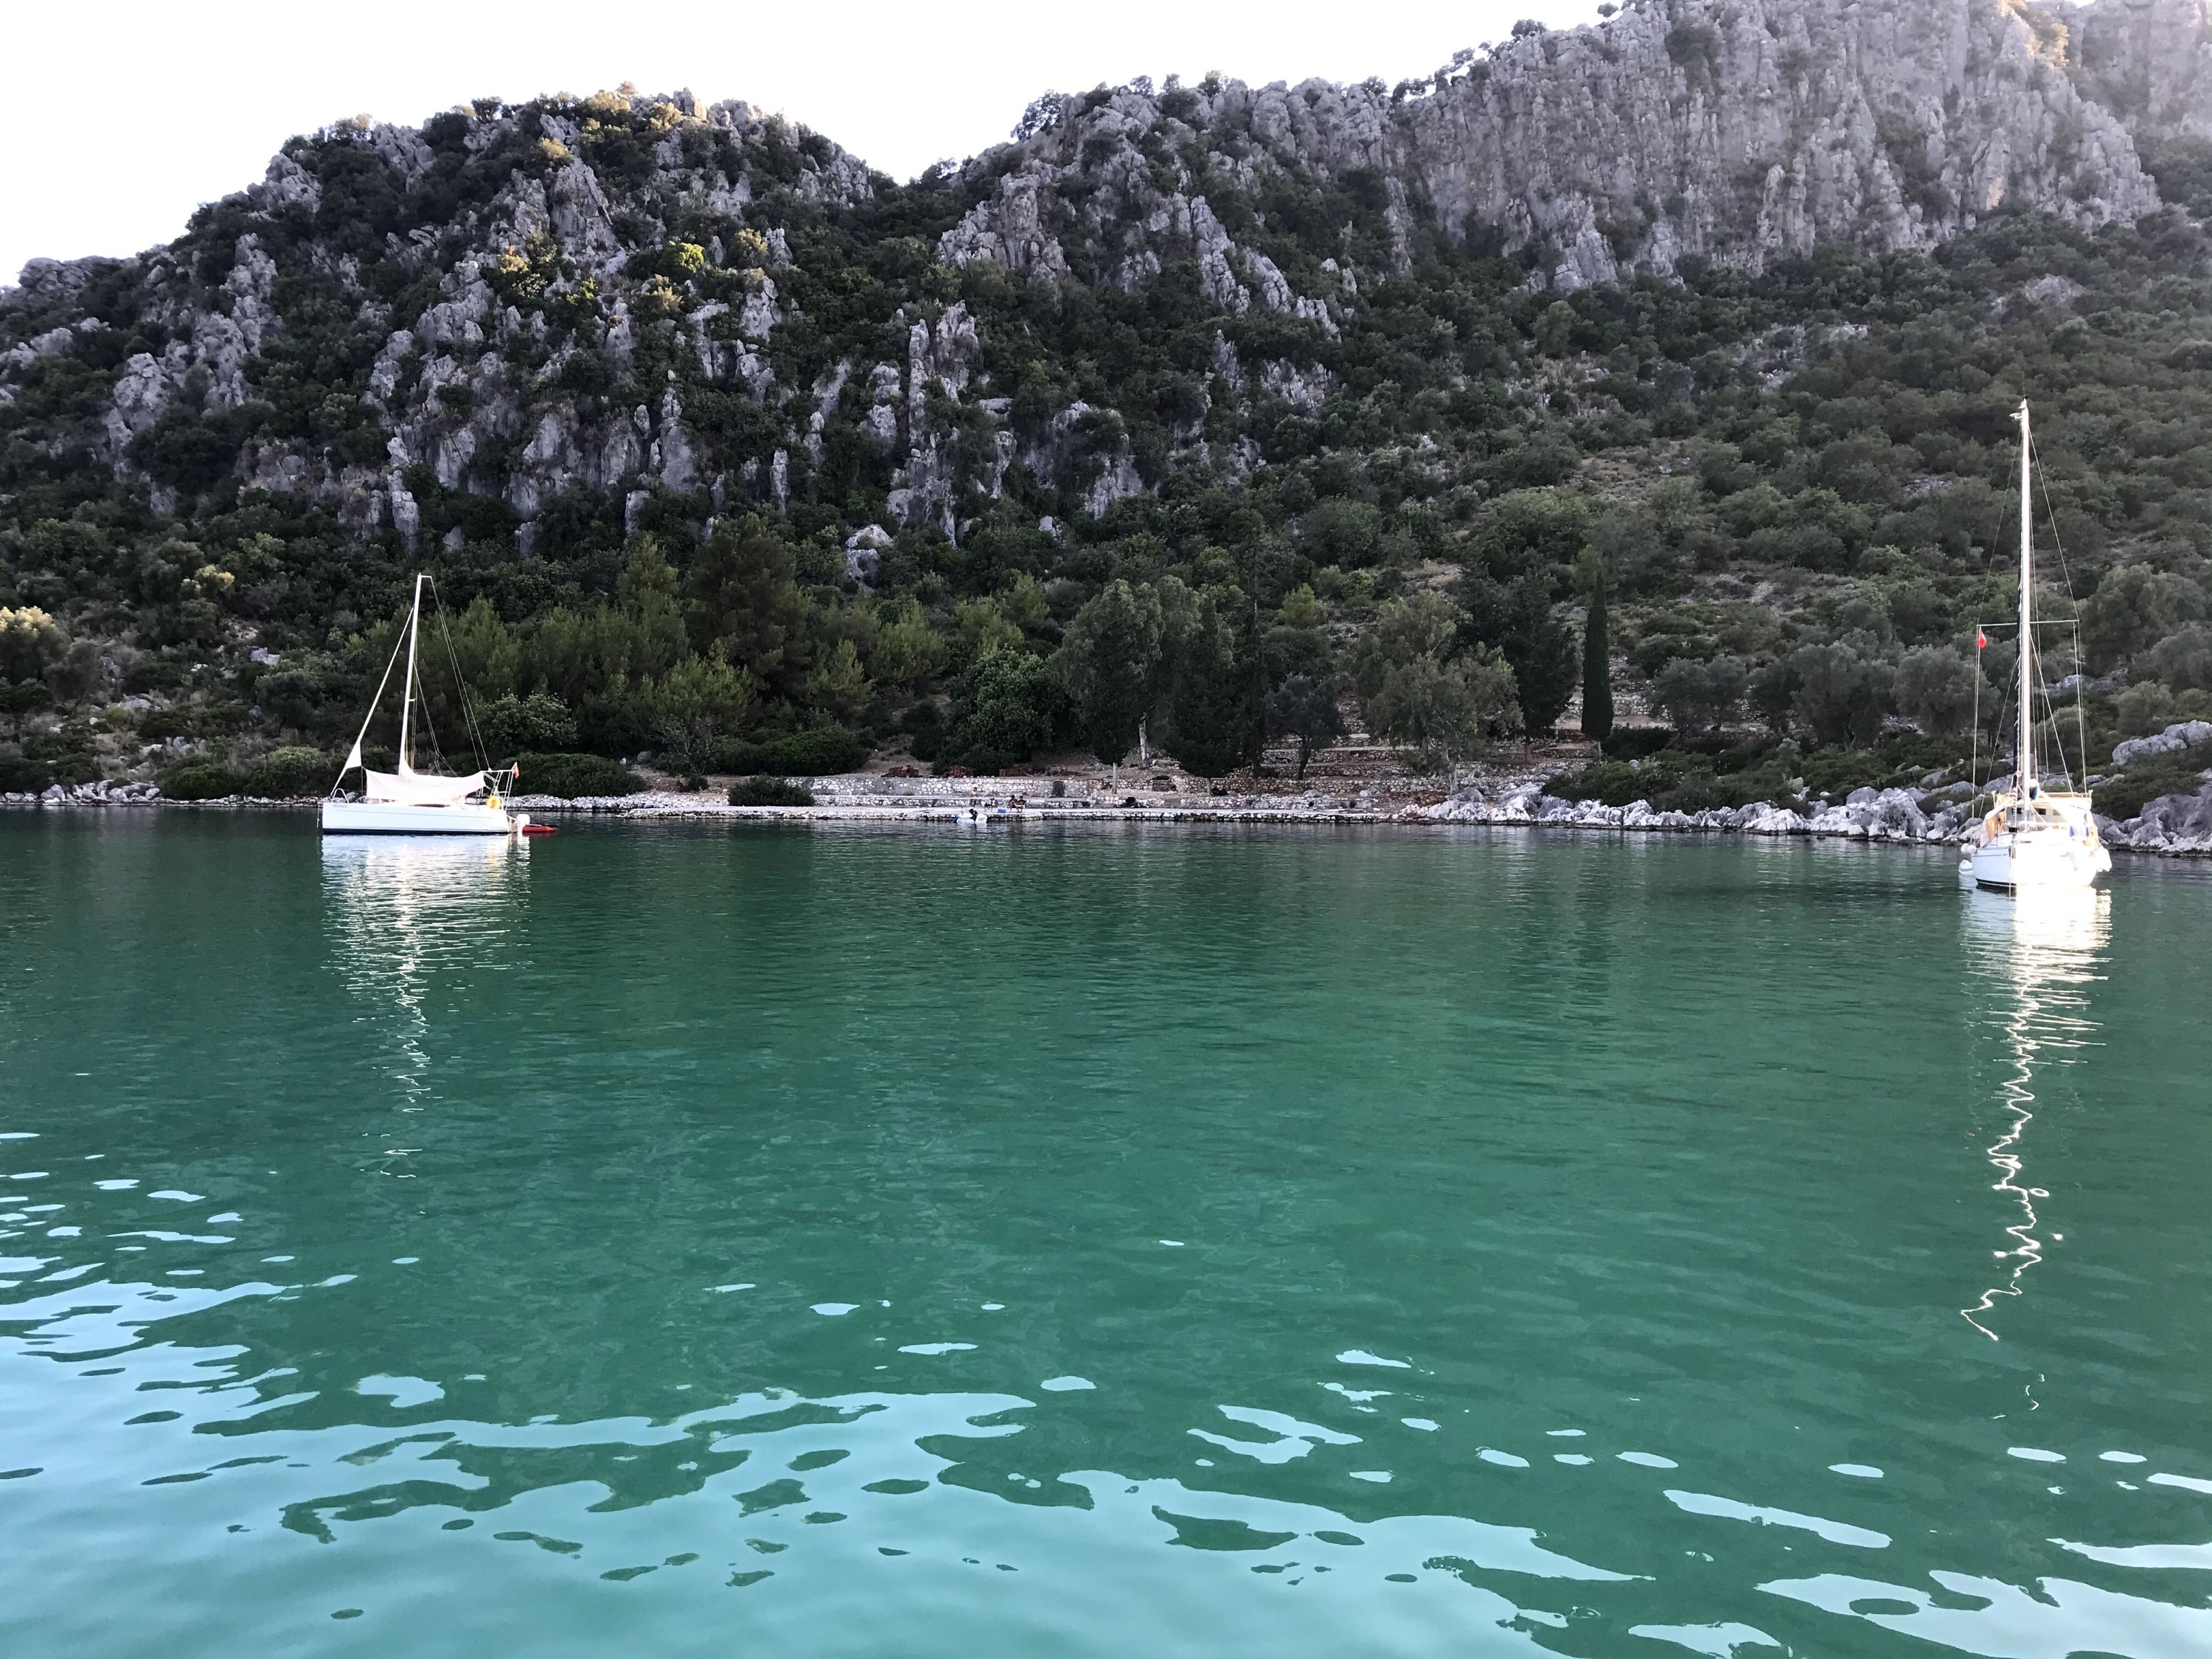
x=1730 y=131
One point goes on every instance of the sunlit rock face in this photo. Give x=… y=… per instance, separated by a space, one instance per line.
x=1731 y=129
x=2147 y=61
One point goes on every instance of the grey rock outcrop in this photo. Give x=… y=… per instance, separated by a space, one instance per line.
x=2186 y=735
x=1875 y=815
x=1736 y=131
x=1743 y=131
x=470 y=389
x=2149 y=62
x=2172 y=825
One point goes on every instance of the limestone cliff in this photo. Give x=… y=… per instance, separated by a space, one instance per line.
x=1731 y=129
x=523 y=316
x=2149 y=61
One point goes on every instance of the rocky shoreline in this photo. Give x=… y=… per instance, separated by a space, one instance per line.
x=2173 y=826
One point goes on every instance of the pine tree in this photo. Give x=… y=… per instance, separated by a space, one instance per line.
x=1597 y=664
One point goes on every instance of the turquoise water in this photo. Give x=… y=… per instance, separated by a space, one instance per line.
x=936 y=1242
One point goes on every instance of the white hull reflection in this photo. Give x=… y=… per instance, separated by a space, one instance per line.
x=408 y=916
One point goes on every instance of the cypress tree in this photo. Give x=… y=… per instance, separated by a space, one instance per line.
x=1597 y=665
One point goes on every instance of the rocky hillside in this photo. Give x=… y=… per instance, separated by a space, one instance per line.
x=394 y=314
x=1735 y=132
x=1714 y=302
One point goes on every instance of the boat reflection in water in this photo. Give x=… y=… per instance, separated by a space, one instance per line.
x=404 y=910
x=2044 y=949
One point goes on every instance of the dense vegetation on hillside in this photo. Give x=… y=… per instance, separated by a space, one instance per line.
x=1795 y=489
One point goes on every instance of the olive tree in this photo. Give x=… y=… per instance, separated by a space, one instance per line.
x=1699 y=696
x=1421 y=689
x=1935 y=687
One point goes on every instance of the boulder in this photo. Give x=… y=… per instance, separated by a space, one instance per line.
x=2186 y=735
x=1838 y=820
x=2174 y=824
x=1518 y=805
x=1776 y=821
x=1895 y=815
x=1872 y=814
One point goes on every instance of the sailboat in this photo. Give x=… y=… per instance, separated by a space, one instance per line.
x=408 y=802
x=2035 y=838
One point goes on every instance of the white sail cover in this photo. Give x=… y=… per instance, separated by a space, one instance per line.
x=408 y=787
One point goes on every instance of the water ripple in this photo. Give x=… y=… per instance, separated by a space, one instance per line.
x=665 y=1242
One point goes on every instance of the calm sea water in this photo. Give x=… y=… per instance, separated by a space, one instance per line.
x=1093 y=1242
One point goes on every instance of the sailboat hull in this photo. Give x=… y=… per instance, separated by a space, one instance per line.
x=2040 y=861
x=370 y=817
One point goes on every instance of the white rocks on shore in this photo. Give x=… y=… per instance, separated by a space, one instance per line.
x=1894 y=814
x=101 y=793
x=2172 y=825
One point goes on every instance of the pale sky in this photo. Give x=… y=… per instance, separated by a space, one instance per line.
x=120 y=119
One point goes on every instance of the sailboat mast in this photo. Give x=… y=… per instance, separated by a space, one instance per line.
x=2023 y=773
x=407 y=692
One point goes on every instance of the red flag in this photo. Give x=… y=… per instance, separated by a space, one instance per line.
x=1981 y=640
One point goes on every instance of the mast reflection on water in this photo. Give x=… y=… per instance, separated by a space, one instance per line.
x=2045 y=947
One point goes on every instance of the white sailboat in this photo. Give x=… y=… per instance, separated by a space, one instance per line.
x=2035 y=838
x=408 y=802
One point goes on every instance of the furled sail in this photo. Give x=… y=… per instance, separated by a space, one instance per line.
x=408 y=787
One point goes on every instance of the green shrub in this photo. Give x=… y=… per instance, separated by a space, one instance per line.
x=19 y=777
x=539 y=723
x=191 y=720
x=76 y=766
x=291 y=773
x=202 y=778
x=575 y=775
x=824 y=751
x=1901 y=759
x=1677 y=780
x=1838 y=771
x=1614 y=783
x=1628 y=743
x=769 y=791
x=2124 y=797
